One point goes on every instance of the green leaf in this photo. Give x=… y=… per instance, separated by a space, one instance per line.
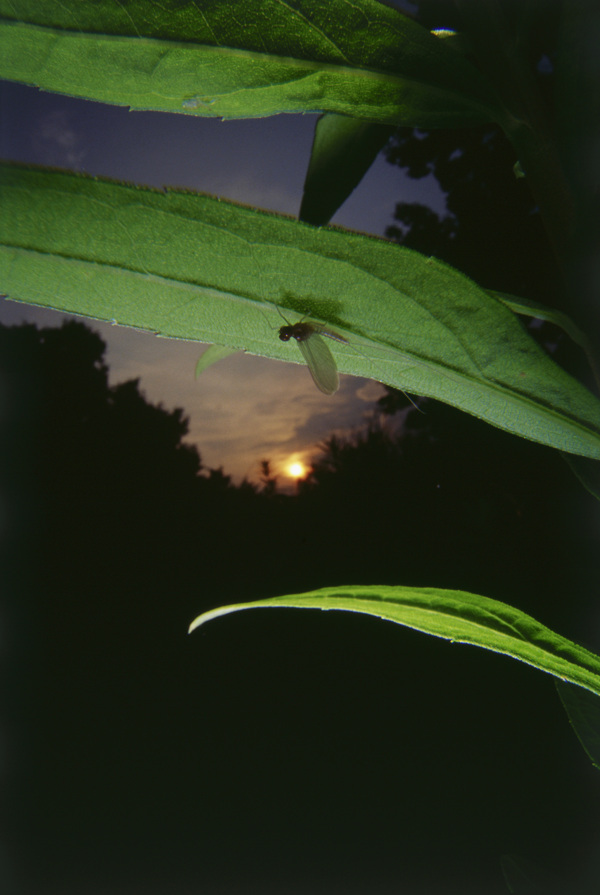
x=343 y=150
x=212 y=354
x=244 y=59
x=189 y=266
x=452 y=615
x=583 y=710
x=530 y=308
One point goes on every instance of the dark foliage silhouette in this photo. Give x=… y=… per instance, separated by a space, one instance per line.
x=449 y=501
x=497 y=498
x=492 y=231
x=142 y=748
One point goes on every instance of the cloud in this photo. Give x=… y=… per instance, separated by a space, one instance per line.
x=58 y=140
x=242 y=410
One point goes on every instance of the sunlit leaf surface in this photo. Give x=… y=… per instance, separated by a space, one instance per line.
x=192 y=267
x=453 y=615
x=244 y=59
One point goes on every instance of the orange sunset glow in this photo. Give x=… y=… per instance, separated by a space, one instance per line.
x=297 y=470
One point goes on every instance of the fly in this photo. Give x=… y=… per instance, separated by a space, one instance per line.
x=315 y=352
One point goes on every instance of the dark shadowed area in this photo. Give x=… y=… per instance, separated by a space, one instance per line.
x=280 y=752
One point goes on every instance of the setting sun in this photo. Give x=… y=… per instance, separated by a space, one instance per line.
x=297 y=470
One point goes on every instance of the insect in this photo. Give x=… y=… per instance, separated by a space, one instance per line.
x=320 y=361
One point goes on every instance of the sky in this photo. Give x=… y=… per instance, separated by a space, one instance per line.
x=244 y=409
x=364 y=770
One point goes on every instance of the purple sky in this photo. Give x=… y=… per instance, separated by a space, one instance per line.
x=243 y=409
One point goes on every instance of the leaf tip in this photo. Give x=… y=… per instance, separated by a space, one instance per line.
x=213 y=613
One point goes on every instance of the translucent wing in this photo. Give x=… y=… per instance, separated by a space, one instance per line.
x=321 y=363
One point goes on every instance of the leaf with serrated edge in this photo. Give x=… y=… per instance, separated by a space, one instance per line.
x=244 y=59
x=189 y=266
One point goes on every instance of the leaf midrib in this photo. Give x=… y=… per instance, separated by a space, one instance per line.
x=508 y=391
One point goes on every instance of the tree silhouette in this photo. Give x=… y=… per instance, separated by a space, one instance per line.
x=492 y=231
x=141 y=748
x=107 y=533
x=455 y=503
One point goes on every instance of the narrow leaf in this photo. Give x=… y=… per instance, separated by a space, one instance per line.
x=212 y=354
x=452 y=615
x=343 y=150
x=244 y=59
x=189 y=266
x=530 y=308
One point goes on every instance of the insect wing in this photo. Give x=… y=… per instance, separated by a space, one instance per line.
x=330 y=334
x=321 y=364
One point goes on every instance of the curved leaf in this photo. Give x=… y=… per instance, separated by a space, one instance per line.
x=452 y=615
x=244 y=59
x=343 y=150
x=192 y=267
x=211 y=355
x=530 y=308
